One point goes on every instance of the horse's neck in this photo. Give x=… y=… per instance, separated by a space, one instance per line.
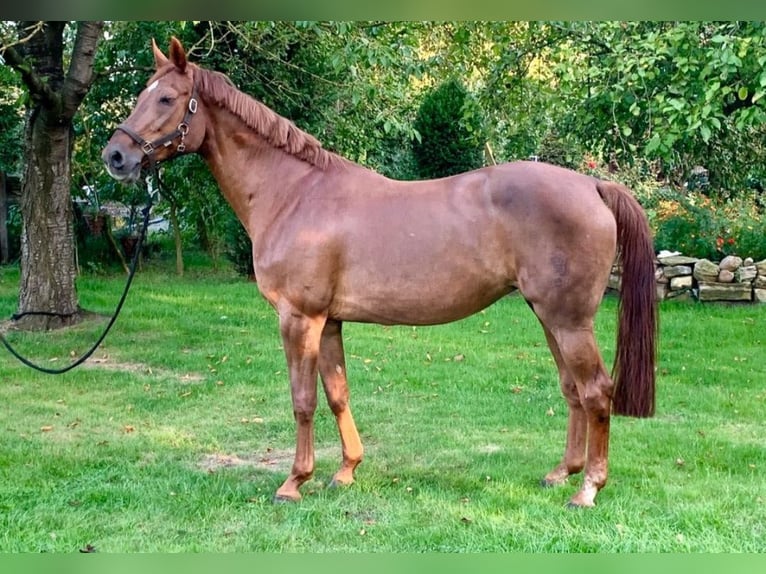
x=255 y=178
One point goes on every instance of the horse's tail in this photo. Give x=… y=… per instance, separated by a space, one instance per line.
x=633 y=371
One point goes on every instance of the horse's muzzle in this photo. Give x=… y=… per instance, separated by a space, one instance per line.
x=123 y=164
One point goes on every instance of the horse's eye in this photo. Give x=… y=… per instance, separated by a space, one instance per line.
x=166 y=100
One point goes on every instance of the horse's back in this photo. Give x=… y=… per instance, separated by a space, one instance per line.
x=546 y=192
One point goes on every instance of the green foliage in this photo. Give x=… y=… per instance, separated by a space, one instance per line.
x=670 y=95
x=560 y=151
x=699 y=226
x=451 y=128
x=239 y=248
x=347 y=83
x=13 y=223
x=11 y=121
x=678 y=92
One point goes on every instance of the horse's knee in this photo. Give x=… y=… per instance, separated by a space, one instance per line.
x=304 y=415
x=337 y=404
x=597 y=396
x=570 y=391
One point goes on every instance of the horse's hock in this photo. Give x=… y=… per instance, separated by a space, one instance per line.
x=680 y=277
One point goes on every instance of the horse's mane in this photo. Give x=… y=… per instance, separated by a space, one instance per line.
x=275 y=129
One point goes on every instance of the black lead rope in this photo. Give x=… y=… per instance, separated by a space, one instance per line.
x=86 y=356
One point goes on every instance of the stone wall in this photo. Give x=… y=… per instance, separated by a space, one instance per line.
x=680 y=277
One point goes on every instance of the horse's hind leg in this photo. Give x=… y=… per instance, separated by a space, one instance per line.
x=577 y=346
x=577 y=428
x=332 y=369
x=587 y=388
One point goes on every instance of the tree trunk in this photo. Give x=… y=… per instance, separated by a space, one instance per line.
x=48 y=264
x=47 y=238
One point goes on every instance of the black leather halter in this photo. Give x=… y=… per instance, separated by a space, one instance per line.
x=164 y=141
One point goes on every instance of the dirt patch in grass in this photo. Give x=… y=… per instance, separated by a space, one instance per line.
x=110 y=364
x=218 y=461
x=274 y=460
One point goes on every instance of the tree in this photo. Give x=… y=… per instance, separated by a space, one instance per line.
x=450 y=125
x=47 y=244
x=680 y=93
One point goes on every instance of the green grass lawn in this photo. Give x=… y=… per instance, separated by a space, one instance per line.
x=175 y=435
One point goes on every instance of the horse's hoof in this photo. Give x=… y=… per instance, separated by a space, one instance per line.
x=573 y=504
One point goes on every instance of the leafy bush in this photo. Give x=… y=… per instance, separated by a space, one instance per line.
x=239 y=248
x=451 y=127
x=14 y=232
x=393 y=158
x=701 y=222
x=700 y=226
x=560 y=151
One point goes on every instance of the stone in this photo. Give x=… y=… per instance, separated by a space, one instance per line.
x=761 y=266
x=760 y=282
x=725 y=292
x=706 y=270
x=748 y=261
x=730 y=263
x=679 y=283
x=725 y=276
x=745 y=274
x=661 y=290
x=676 y=271
x=673 y=259
x=615 y=281
x=759 y=295
x=684 y=295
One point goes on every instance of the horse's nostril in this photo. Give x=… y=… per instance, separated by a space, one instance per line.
x=116 y=159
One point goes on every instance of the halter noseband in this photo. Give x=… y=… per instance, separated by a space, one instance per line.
x=164 y=141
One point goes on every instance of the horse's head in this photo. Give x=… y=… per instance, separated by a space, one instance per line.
x=163 y=124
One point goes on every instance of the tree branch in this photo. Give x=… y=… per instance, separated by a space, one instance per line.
x=80 y=74
x=33 y=29
x=38 y=89
x=108 y=73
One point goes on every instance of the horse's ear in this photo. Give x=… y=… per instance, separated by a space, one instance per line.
x=159 y=58
x=177 y=54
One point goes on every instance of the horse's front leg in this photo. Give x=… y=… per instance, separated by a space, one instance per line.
x=332 y=368
x=301 y=336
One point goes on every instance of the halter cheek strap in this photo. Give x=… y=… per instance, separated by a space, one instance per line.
x=164 y=141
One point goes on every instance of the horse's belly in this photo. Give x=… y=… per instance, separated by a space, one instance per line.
x=430 y=302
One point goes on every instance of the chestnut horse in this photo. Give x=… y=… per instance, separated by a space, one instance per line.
x=334 y=241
